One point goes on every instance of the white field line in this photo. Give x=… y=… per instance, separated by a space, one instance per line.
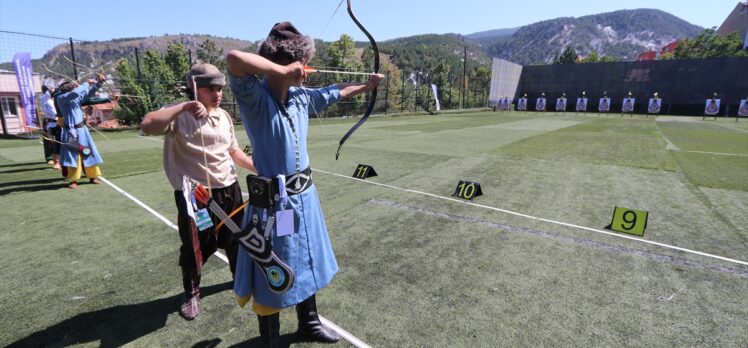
x=676 y=148
x=667 y=246
x=345 y=334
x=155 y=213
x=150 y=138
x=717 y=153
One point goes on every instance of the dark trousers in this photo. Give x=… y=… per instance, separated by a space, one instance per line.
x=50 y=147
x=56 y=136
x=228 y=198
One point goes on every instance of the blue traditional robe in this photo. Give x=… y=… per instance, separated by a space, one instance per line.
x=279 y=142
x=70 y=107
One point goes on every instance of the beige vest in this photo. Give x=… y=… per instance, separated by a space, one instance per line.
x=188 y=139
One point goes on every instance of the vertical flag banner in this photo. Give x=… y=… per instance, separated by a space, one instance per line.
x=436 y=97
x=24 y=75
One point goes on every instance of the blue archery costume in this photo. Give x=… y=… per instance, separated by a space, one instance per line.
x=70 y=107
x=279 y=142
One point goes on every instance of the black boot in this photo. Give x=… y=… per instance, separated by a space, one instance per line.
x=270 y=330
x=190 y=307
x=310 y=327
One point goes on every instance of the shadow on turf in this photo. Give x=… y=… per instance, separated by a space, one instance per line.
x=115 y=326
x=47 y=184
x=286 y=341
x=23 y=164
x=45 y=167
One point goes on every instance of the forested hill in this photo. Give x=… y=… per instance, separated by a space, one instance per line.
x=415 y=53
x=106 y=54
x=410 y=54
x=489 y=38
x=422 y=52
x=621 y=34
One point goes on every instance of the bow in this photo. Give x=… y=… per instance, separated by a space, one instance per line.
x=373 y=100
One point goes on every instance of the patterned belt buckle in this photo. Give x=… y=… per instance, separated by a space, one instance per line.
x=298 y=182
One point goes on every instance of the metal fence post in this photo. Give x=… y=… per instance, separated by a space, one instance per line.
x=387 y=93
x=402 y=93
x=137 y=65
x=72 y=54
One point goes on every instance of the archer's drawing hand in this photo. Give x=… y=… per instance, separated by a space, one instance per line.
x=197 y=108
x=296 y=73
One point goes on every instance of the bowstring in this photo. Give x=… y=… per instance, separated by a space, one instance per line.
x=202 y=140
x=329 y=20
x=306 y=93
x=318 y=117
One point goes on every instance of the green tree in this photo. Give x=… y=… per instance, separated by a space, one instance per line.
x=342 y=53
x=440 y=74
x=176 y=59
x=568 y=56
x=708 y=44
x=208 y=52
x=391 y=88
x=481 y=81
x=134 y=103
x=161 y=83
x=423 y=94
x=593 y=57
x=155 y=88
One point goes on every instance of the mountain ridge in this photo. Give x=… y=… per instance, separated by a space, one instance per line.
x=622 y=34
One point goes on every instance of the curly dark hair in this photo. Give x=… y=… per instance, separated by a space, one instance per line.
x=284 y=52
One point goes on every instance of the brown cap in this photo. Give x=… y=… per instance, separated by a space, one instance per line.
x=284 y=31
x=206 y=75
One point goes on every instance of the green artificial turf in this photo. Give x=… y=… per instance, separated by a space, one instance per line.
x=89 y=267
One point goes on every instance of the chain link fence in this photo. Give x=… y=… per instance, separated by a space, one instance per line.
x=683 y=85
x=55 y=58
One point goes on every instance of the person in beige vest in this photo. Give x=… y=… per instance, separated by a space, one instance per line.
x=200 y=144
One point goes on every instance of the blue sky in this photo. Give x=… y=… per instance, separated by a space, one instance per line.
x=252 y=19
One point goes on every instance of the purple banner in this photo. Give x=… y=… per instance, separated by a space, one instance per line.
x=25 y=77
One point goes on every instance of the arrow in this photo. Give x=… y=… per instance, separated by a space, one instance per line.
x=312 y=70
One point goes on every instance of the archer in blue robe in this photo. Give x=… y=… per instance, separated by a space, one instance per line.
x=307 y=250
x=75 y=127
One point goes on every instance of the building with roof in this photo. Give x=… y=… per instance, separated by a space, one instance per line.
x=13 y=117
x=737 y=21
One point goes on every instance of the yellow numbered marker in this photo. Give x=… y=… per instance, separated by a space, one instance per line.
x=629 y=221
x=364 y=171
x=467 y=190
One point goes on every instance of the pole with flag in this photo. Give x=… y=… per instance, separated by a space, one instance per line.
x=25 y=78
